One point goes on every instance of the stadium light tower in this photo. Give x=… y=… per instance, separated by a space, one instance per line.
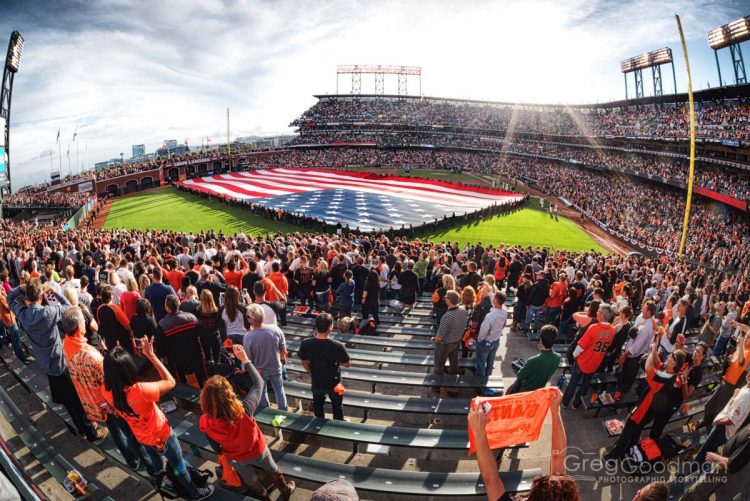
x=653 y=60
x=12 y=63
x=731 y=35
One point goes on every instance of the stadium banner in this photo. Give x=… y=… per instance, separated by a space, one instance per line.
x=191 y=161
x=725 y=199
x=731 y=142
x=513 y=419
x=80 y=215
x=87 y=186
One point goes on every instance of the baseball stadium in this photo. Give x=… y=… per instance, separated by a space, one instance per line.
x=403 y=296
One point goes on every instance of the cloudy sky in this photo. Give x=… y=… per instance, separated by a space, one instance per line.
x=130 y=72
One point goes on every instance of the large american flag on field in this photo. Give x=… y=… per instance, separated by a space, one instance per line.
x=358 y=199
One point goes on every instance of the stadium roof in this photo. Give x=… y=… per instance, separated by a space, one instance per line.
x=715 y=93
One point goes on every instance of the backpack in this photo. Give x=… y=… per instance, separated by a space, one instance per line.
x=346 y=324
x=366 y=328
x=199 y=478
x=229 y=368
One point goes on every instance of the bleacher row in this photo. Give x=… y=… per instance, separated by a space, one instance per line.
x=370 y=354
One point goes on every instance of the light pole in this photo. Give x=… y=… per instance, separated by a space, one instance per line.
x=12 y=63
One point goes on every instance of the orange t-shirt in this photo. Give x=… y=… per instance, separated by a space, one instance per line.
x=149 y=425
x=595 y=343
x=234 y=278
x=281 y=283
x=557 y=296
x=735 y=370
x=174 y=278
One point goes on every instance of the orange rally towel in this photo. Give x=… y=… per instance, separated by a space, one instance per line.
x=514 y=419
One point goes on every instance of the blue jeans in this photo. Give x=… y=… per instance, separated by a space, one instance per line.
x=552 y=315
x=564 y=327
x=319 y=400
x=576 y=376
x=485 y=361
x=15 y=341
x=533 y=314
x=126 y=442
x=720 y=346
x=173 y=453
x=277 y=383
x=717 y=437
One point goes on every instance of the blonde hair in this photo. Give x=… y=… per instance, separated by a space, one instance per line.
x=132 y=284
x=449 y=283
x=113 y=278
x=207 y=301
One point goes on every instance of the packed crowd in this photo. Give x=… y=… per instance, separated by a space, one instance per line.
x=716 y=120
x=66 y=200
x=732 y=182
x=103 y=308
x=646 y=213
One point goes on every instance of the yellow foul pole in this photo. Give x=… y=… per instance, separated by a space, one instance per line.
x=686 y=220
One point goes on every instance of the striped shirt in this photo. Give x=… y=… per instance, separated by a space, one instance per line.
x=453 y=325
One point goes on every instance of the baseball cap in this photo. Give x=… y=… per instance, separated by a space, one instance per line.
x=335 y=490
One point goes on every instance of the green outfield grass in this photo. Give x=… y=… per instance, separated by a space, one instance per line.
x=528 y=226
x=171 y=209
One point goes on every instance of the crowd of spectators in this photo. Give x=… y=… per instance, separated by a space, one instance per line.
x=76 y=279
x=732 y=182
x=646 y=213
x=66 y=200
x=716 y=120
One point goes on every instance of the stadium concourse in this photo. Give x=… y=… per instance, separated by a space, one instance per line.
x=635 y=402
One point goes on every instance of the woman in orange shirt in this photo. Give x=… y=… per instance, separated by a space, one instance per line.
x=136 y=403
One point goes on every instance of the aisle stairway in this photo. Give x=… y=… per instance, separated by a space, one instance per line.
x=102 y=215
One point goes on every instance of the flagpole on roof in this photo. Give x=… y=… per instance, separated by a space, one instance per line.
x=68 y=155
x=75 y=138
x=59 y=151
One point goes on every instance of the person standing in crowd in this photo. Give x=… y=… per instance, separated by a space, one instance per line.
x=726 y=329
x=303 y=277
x=208 y=322
x=177 y=338
x=654 y=402
x=537 y=370
x=114 y=325
x=156 y=293
x=345 y=295
x=266 y=347
x=449 y=334
x=727 y=422
x=420 y=269
x=228 y=423
x=409 y=283
x=86 y=367
x=554 y=302
x=191 y=303
x=143 y=322
x=488 y=337
x=323 y=358
x=232 y=315
x=9 y=327
x=371 y=297
x=535 y=300
x=136 y=402
x=637 y=345
x=40 y=324
x=589 y=354
x=732 y=377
